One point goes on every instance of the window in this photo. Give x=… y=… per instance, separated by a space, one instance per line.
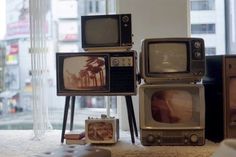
x=90 y=6
x=202 y=4
x=210 y=51
x=210 y=19
x=203 y=28
x=95 y=6
x=15 y=63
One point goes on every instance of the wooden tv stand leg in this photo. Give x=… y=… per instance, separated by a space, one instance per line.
x=131 y=118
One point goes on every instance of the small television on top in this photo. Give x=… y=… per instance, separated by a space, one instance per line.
x=172 y=59
x=106 y=32
x=172 y=114
x=96 y=73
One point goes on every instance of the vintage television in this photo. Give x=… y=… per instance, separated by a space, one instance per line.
x=172 y=59
x=172 y=114
x=106 y=32
x=102 y=130
x=220 y=94
x=96 y=73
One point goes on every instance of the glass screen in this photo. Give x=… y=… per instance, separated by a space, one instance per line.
x=232 y=99
x=100 y=131
x=172 y=106
x=84 y=73
x=102 y=31
x=167 y=57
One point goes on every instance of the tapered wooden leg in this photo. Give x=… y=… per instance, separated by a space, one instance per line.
x=67 y=104
x=130 y=117
x=72 y=113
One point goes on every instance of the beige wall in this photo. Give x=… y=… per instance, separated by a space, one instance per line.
x=153 y=19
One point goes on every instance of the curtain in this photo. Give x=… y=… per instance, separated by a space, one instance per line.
x=39 y=53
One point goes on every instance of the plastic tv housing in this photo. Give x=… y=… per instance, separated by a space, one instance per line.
x=172 y=60
x=112 y=32
x=172 y=114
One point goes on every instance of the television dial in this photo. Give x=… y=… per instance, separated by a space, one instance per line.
x=115 y=62
x=125 y=18
x=197 y=44
x=194 y=138
x=197 y=55
x=150 y=139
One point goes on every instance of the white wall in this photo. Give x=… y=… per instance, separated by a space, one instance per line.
x=153 y=19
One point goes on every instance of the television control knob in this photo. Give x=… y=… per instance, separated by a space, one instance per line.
x=197 y=44
x=115 y=62
x=194 y=138
x=125 y=18
x=197 y=55
x=150 y=139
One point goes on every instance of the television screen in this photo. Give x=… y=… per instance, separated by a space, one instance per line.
x=101 y=31
x=176 y=105
x=85 y=73
x=167 y=57
x=100 y=131
x=172 y=106
x=232 y=100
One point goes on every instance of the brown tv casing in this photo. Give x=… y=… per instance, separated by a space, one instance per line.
x=220 y=92
x=159 y=128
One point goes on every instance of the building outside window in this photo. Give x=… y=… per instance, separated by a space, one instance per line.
x=207 y=18
x=202 y=5
x=63 y=25
x=95 y=7
x=210 y=51
x=203 y=29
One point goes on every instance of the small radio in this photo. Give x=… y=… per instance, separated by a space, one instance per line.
x=104 y=130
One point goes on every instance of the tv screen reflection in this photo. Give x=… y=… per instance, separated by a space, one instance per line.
x=84 y=73
x=172 y=106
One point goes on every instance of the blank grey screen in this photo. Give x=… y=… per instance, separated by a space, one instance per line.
x=102 y=31
x=167 y=57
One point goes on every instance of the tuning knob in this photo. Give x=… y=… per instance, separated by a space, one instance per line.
x=150 y=139
x=197 y=44
x=125 y=19
x=194 y=138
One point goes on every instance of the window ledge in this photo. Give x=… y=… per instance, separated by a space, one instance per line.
x=20 y=143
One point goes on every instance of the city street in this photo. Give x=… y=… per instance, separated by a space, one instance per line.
x=24 y=120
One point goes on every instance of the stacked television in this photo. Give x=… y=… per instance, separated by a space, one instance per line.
x=172 y=103
x=106 y=68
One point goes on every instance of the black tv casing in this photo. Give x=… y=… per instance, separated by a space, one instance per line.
x=121 y=77
x=219 y=70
